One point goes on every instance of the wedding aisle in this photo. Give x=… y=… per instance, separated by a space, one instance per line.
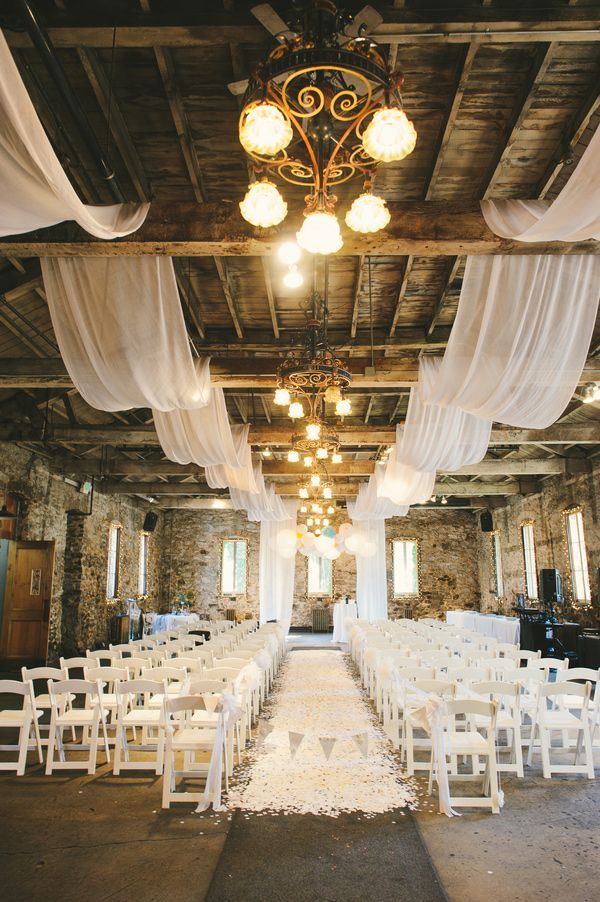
x=325 y=753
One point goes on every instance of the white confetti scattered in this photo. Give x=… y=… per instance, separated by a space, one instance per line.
x=318 y=696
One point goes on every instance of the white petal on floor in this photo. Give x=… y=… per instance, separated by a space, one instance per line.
x=318 y=696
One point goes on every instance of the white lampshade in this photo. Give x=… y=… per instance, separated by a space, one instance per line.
x=267 y=452
x=336 y=457
x=390 y=135
x=315 y=480
x=327 y=493
x=263 y=205
x=320 y=233
x=313 y=431
x=289 y=253
x=303 y=509
x=264 y=130
x=343 y=408
x=308 y=461
x=282 y=397
x=293 y=456
x=303 y=492
x=296 y=410
x=331 y=510
x=322 y=453
x=293 y=278
x=368 y=213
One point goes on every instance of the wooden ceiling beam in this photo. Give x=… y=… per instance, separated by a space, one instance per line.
x=368 y=436
x=569 y=140
x=358 y=275
x=424 y=228
x=190 y=298
x=451 y=271
x=270 y=295
x=408 y=263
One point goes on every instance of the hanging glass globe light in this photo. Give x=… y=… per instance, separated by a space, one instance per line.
x=320 y=233
x=336 y=458
x=264 y=130
x=313 y=431
x=315 y=480
x=390 y=135
x=343 y=408
x=296 y=410
x=303 y=492
x=368 y=213
x=327 y=493
x=263 y=205
x=293 y=456
x=282 y=397
x=293 y=278
x=322 y=453
x=289 y=253
x=308 y=461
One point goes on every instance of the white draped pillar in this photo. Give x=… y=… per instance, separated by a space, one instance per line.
x=371 y=580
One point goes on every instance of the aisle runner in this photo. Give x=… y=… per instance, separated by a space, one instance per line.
x=318 y=698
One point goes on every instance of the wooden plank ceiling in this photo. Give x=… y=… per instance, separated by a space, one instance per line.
x=504 y=97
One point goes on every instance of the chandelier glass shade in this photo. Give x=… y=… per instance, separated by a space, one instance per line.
x=321 y=109
x=368 y=213
x=263 y=205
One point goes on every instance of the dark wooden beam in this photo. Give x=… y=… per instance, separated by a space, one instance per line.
x=356 y=294
x=451 y=271
x=424 y=228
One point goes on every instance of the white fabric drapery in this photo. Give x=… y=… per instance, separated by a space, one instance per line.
x=121 y=332
x=203 y=436
x=34 y=190
x=369 y=505
x=520 y=338
x=573 y=216
x=277 y=566
x=371 y=582
x=263 y=504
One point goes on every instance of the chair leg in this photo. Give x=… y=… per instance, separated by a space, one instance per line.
x=166 y=792
x=118 y=744
x=545 y=742
x=518 y=750
x=93 y=749
x=23 y=745
x=38 y=738
x=51 y=744
x=493 y=783
x=587 y=743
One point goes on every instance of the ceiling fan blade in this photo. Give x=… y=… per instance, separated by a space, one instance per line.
x=364 y=22
x=238 y=87
x=272 y=21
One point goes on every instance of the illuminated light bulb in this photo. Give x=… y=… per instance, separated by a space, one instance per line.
x=315 y=480
x=293 y=278
x=263 y=205
x=444 y=499
x=326 y=522
x=303 y=492
x=322 y=453
x=432 y=499
x=264 y=130
x=388 y=450
x=368 y=213
x=313 y=431
x=390 y=135
x=343 y=407
x=327 y=493
x=318 y=521
x=289 y=253
x=267 y=452
x=319 y=509
x=282 y=397
x=317 y=532
x=218 y=504
x=331 y=510
x=320 y=233
x=336 y=457
x=293 y=456
x=296 y=410
x=314 y=508
x=310 y=521
x=308 y=461
x=304 y=509
x=333 y=394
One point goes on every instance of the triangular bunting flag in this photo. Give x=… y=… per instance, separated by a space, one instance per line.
x=295 y=740
x=264 y=728
x=362 y=741
x=327 y=744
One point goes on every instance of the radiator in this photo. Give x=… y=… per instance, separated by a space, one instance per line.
x=320 y=620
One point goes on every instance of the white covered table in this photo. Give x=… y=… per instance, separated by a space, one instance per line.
x=504 y=629
x=164 y=622
x=342 y=610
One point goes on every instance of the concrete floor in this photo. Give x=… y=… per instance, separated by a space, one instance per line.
x=96 y=838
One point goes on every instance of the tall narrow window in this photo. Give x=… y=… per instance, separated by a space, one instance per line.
x=580 y=578
x=114 y=558
x=529 y=562
x=234 y=562
x=143 y=564
x=320 y=575
x=406 y=567
x=497 y=558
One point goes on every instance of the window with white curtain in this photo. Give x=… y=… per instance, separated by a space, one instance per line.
x=406 y=566
x=529 y=561
x=320 y=575
x=580 y=578
x=114 y=559
x=143 y=564
x=234 y=563
x=497 y=558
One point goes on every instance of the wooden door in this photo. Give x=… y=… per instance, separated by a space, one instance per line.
x=27 y=602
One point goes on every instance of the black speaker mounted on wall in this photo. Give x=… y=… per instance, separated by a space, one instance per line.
x=487 y=522
x=150 y=521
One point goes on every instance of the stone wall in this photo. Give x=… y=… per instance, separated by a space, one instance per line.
x=546 y=509
x=52 y=510
x=192 y=561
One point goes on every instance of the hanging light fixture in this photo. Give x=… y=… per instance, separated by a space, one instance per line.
x=308 y=461
x=336 y=457
x=267 y=452
x=444 y=499
x=322 y=453
x=289 y=253
x=315 y=480
x=327 y=493
x=303 y=509
x=313 y=430
x=303 y=491
x=296 y=410
x=321 y=109
x=293 y=456
x=343 y=408
x=263 y=205
x=282 y=397
x=331 y=509
x=368 y=213
x=293 y=278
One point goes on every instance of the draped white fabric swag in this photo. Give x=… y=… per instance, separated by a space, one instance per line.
x=34 y=190
x=261 y=505
x=203 y=436
x=277 y=566
x=371 y=580
x=369 y=505
x=520 y=338
x=573 y=216
x=121 y=332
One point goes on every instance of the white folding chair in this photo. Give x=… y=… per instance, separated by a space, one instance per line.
x=561 y=720
x=21 y=719
x=134 y=711
x=107 y=678
x=89 y=718
x=412 y=743
x=574 y=703
x=508 y=718
x=41 y=702
x=174 y=677
x=103 y=657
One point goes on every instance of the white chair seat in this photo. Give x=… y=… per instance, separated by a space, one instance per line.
x=157 y=700
x=76 y=717
x=109 y=700
x=43 y=700
x=15 y=718
x=504 y=721
x=192 y=738
x=210 y=718
x=467 y=743
x=143 y=717
x=561 y=720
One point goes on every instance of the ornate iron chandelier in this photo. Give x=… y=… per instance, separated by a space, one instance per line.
x=321 y=109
